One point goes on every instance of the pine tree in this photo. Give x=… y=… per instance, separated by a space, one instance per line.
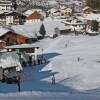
x=95 y=25
x=42 y=30
x=14 y=2
x=15 y=5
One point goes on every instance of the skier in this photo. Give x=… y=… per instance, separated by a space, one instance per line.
x=66 y=46
x=53 y=79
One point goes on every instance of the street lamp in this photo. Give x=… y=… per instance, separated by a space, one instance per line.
x=19 y=54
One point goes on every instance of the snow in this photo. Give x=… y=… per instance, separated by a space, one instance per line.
x=52 y=2
x=52 y=10
x=29 y=12
x=92 y=32
x=93 y=16
x=85 y=8
x=75 y=80
x=10 y=59
x=3 y=31
x=30 y=29
x=62 y=7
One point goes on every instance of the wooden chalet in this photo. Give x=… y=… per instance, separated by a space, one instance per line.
x=34 y=16
x=12 y=38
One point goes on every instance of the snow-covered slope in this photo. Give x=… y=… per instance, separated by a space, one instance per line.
x=75 y=80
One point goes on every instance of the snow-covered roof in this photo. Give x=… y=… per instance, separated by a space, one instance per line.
x=7 y=11
x=52 y=2
x=62 y=7
x=73 y=22
x=38 y=34
x=10 y=59
x=28 y=12
x=31 y=11
x=26 y=34
x=22 y=46
x=43 y=14
x=85 y=8
x=93 y=16
x=52 y=10
x=3 y=31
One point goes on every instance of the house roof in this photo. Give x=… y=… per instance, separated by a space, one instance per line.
x=31 y=11
x=10 y=59
x=74 y=22
x=22 y=46
x=52 y=2
x=26 y=34
x=3 y=31
x=85 y=8
x=63 y=7
x=8 y=12
x=28 y=12
x=52 y=10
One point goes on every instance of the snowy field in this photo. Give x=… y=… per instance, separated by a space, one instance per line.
x=75 y=80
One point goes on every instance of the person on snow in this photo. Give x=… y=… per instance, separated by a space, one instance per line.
x=66 y=46
x=39 y=61
x=53 y=79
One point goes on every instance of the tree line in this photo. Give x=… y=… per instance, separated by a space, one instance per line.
x=95 y=4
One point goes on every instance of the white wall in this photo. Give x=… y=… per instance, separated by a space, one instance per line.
x=33 y=20
x=9 y=19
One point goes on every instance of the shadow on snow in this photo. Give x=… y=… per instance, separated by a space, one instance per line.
x=50 y=55
x=37 y=78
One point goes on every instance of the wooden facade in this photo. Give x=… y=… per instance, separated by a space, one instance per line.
x=2 y=44
x=34 y=17
x=11 y=38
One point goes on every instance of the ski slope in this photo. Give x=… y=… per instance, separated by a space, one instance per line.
x=75 y=80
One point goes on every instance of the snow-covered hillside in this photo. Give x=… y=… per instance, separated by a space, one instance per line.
x=75 y=80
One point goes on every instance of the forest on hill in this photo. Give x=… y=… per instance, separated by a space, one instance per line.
x=94 y=4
